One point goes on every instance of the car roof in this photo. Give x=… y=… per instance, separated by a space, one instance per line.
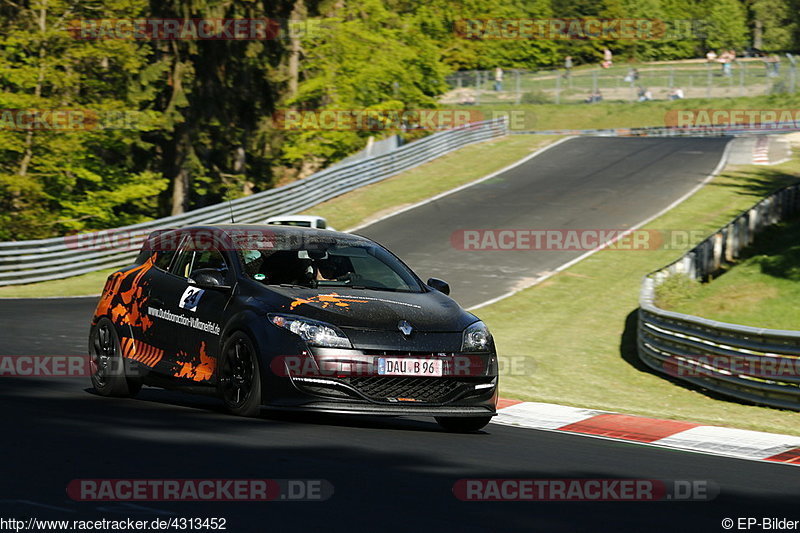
x=278 y=230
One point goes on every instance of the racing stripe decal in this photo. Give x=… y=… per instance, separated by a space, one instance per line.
x=127 y=346
x=147 y=354
x=141 y=352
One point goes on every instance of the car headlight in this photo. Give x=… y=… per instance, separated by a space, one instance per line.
x=476 y=338
x=313 y=332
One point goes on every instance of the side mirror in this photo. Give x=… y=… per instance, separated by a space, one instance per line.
x=440 y=285
x=209 y=278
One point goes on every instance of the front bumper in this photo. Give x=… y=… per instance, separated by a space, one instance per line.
x=346 y=381
x=346 y=408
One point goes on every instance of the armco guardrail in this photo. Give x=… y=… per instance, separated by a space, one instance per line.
x=755 y=364
x=63 y=257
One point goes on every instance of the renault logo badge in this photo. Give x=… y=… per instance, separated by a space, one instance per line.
x=405 y=328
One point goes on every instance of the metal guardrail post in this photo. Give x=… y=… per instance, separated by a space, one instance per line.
x=741 y=77
x=558 y=88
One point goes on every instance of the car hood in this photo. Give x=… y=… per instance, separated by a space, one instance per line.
x=375 y=310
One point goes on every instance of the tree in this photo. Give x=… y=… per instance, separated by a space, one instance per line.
x=727 y=24
x=774 y=25
x=55 y=181
x=217 y=96
x=365 y=57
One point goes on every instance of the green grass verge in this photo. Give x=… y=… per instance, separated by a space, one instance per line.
x=84 y=285
x=761 y=290
x=626 y=114
x=445 y=173
x=579 y=326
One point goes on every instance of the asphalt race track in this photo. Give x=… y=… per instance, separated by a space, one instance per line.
x=387 y=474
x=584 y=183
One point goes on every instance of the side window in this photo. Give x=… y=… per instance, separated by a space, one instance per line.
x=164 y=258
x=163 y=246
x=189 y=260
x=210 y=259
x=183 y=264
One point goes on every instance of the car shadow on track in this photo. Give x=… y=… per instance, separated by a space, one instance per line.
x=201 y=403
x=388 y=475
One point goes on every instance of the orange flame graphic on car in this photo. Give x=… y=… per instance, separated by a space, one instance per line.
x=195 y=370
x=326 y=300
x=125 y=307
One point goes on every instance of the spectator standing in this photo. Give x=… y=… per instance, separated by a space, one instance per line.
x=773 y=64
x=725 y=58
x=498 y=79
x=568 y=66
x=607 y=58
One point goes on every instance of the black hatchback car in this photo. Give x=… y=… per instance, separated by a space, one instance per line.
x=292 y=318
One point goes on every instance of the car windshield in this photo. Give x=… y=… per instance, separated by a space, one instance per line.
x=329 y=262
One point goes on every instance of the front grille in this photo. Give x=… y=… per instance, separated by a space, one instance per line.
x=431 y=390
x=403 y=353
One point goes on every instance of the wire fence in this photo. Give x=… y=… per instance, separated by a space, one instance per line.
x=626 y=82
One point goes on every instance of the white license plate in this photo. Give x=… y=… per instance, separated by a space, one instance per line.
x=401 y=366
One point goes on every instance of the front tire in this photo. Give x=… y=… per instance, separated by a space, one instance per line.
x=109 y=377
x=240 y=376
x=465 y=424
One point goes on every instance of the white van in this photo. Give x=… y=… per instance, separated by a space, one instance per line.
x=302 y=221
